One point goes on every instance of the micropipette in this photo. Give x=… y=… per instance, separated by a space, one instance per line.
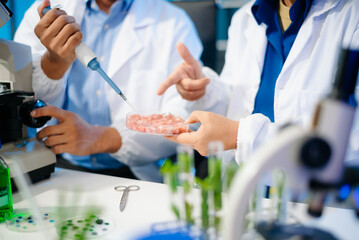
x=89 y=59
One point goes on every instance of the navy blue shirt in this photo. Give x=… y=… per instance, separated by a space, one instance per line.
x=278 y=47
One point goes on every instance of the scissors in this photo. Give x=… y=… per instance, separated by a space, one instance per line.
x=125 y=191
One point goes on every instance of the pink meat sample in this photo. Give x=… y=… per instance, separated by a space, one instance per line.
x=162 y=124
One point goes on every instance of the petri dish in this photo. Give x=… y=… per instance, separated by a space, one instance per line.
x=90 y=227
x=164 y=124
x=26 y=222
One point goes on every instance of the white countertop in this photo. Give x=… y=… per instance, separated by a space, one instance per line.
x=145 y=207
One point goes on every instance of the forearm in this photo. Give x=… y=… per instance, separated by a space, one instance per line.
x=231 y=133
x=54 y=68
x=108 y=140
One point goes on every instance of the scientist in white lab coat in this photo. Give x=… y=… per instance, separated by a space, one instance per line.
x=135 y=41
x=280 y=61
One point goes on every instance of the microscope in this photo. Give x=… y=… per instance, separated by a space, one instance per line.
x=313 y=159
x=16 y=103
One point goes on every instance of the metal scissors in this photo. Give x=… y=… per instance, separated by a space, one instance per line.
x=125 y=191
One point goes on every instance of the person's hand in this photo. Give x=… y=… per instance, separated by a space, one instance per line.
x=213 y=127
x=74 y=135
x=188 y=76
x=60 y=34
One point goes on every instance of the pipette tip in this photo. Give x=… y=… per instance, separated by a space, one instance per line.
x=123 y=96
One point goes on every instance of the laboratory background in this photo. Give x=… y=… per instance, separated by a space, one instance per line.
x=219 y=13
x=250 y=175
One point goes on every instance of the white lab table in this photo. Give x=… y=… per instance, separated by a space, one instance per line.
x=144 y=207
x=148 y=206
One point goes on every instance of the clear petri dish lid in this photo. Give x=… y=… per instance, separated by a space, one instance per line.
x=164 y=124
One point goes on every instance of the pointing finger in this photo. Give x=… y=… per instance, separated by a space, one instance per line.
x=186 y=55
x=51 y=111
x=173 y=78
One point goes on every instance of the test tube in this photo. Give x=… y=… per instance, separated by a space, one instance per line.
x=170 y=177
x=215 y=148
x=230 y=170
x=204 y=186
x=186 y=171
x=280 y=199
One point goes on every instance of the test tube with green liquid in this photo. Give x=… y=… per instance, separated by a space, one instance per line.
x=6 y=207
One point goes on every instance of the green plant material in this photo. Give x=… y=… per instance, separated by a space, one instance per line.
x=186 y=186
x=217 y=222
x=185 y=162
x=214 y=166
x=231 y=171
x=171 y=180
x=188 y=207
x=188 y=210
x=170 y=173
x=169 y=170
x=168 y=167
x=279 y=179
x=250 y=216
x=205 y=187
x=204 y=209
x=175 y=210
x=254 y=200
x=217 y=200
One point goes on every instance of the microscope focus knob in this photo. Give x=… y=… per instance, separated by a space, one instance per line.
x=315 y=153
x=26 y=108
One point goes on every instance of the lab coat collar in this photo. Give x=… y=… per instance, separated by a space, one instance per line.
x=140 y=10
x=258 y=38
x=127 y=43
x=125 y=4
x=320 y=7
x=76 y=9
x=259 y=41
x=306 y=32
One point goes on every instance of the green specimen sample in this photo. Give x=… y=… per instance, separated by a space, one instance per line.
x=170 y=173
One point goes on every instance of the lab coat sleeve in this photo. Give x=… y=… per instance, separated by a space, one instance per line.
x=142 y=149
x=215 y=99
x=139 y=149
x=252 y=131
x=49 y=90
x=353 y=153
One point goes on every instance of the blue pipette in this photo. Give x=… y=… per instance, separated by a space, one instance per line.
x=88 y=58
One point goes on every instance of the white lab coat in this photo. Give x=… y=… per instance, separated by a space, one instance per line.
x=143 y=55
x=306 y=76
